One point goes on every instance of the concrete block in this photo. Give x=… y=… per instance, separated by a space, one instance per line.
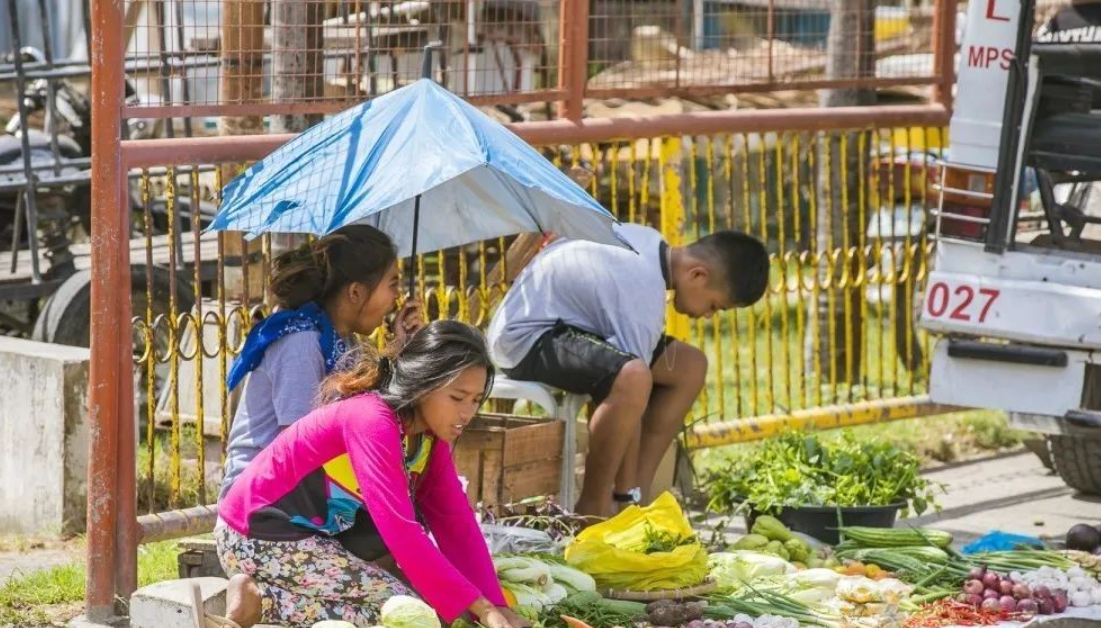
x=43 y=437
x=168 y=604
x=199 y=557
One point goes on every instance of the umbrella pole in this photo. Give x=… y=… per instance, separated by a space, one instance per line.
x=413 y=256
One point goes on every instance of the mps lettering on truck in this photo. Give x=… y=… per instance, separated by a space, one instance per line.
x=982 y=56
x=987 y=52
x=959 y=302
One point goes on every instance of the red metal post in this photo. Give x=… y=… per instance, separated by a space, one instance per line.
x=944 y=51
x=573 y=58
x=181 y=151
x=126 y=552
x=108 y=334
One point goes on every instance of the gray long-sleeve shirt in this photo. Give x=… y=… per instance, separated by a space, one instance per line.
x=612 y=292
x=278 y=392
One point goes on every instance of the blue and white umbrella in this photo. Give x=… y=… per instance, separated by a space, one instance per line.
x=420 y=164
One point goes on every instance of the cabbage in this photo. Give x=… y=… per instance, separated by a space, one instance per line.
x=812 y=586
x=731 y=570
x=403 y=611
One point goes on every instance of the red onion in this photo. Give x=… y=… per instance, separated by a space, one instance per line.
x=976 y=573
x=1060 y=599
x=991 y=604
x=1027 y=607
x=973 y=587
x=991 y=579
x=1021 y=592
x=1008 y=604
x=990 y=594
x=1042 y=592
x=1047 y=606
x=1005 y=586
x=975 y=600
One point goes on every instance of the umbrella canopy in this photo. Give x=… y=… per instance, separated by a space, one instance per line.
x=475 y=179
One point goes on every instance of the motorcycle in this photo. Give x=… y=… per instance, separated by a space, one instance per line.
x=59 y=155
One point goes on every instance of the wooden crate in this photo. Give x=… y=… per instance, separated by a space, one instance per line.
x=507 y=458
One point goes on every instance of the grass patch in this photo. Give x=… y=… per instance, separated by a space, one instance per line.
x=54 y=596
x=43 y=597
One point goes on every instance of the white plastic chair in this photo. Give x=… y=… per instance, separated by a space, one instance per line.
x=561 y=406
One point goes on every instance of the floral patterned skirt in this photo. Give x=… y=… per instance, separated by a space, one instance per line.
x=307 y=581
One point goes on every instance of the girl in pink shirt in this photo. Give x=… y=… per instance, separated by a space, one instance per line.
x=364 y=477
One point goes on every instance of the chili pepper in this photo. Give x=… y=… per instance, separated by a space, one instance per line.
x=949 y=612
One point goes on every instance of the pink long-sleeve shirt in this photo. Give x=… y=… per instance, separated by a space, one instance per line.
x=285 y=494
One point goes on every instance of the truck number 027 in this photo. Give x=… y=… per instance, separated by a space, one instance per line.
x=963 y=303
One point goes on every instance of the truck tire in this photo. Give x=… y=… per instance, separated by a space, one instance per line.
x=1077 y=459
x=66 y=317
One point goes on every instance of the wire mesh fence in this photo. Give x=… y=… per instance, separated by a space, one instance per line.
x=753 y=44
x=323 y=55
x=310 y=52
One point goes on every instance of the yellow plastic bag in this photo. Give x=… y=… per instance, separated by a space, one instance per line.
x=613 y=552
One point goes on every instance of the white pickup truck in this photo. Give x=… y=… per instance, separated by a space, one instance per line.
x=1014 y=295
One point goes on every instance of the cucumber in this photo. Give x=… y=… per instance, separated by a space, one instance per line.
x=897 y=537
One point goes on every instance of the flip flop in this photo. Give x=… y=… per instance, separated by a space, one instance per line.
x=203 y=619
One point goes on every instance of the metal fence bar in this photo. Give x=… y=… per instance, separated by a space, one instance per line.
x=229 y=149
x=109 y=396
x=824 y=418
x=944 y=50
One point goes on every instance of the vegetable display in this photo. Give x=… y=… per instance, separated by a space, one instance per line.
x=1081 y=588
x=537 y=583
x=993 y=591
x=770 y=536
x=772 y=577
x=797 y=469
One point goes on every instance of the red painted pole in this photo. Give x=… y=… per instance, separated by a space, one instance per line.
x=108 y=333
x=944 y=51
x=127 y=533
x=184 y=151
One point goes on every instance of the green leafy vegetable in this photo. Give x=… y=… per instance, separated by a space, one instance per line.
x=403 y=611
x=664 y=541
x=797 y=469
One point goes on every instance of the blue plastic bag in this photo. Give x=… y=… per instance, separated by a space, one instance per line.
x=1002 y=541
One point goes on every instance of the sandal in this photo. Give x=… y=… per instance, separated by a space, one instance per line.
x=204 y=619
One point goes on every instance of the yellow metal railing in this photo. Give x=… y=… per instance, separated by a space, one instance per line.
x=833 y=342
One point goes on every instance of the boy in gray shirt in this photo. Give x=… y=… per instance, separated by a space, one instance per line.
x=590 y=319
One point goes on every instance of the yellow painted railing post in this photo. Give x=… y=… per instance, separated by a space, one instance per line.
x=672 y=220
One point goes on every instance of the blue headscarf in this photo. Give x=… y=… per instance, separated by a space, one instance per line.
x=309 y=317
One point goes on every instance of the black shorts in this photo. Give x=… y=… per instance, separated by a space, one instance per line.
x=576 y=361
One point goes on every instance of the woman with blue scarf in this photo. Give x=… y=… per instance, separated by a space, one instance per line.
x=326 y=293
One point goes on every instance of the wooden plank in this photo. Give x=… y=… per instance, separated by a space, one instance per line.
x=492 y=477
x=533 y=442
x=478 y=440
x=468 y=464
x=534 y=479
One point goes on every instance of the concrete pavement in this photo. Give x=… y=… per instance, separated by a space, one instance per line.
x=1012 y=493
